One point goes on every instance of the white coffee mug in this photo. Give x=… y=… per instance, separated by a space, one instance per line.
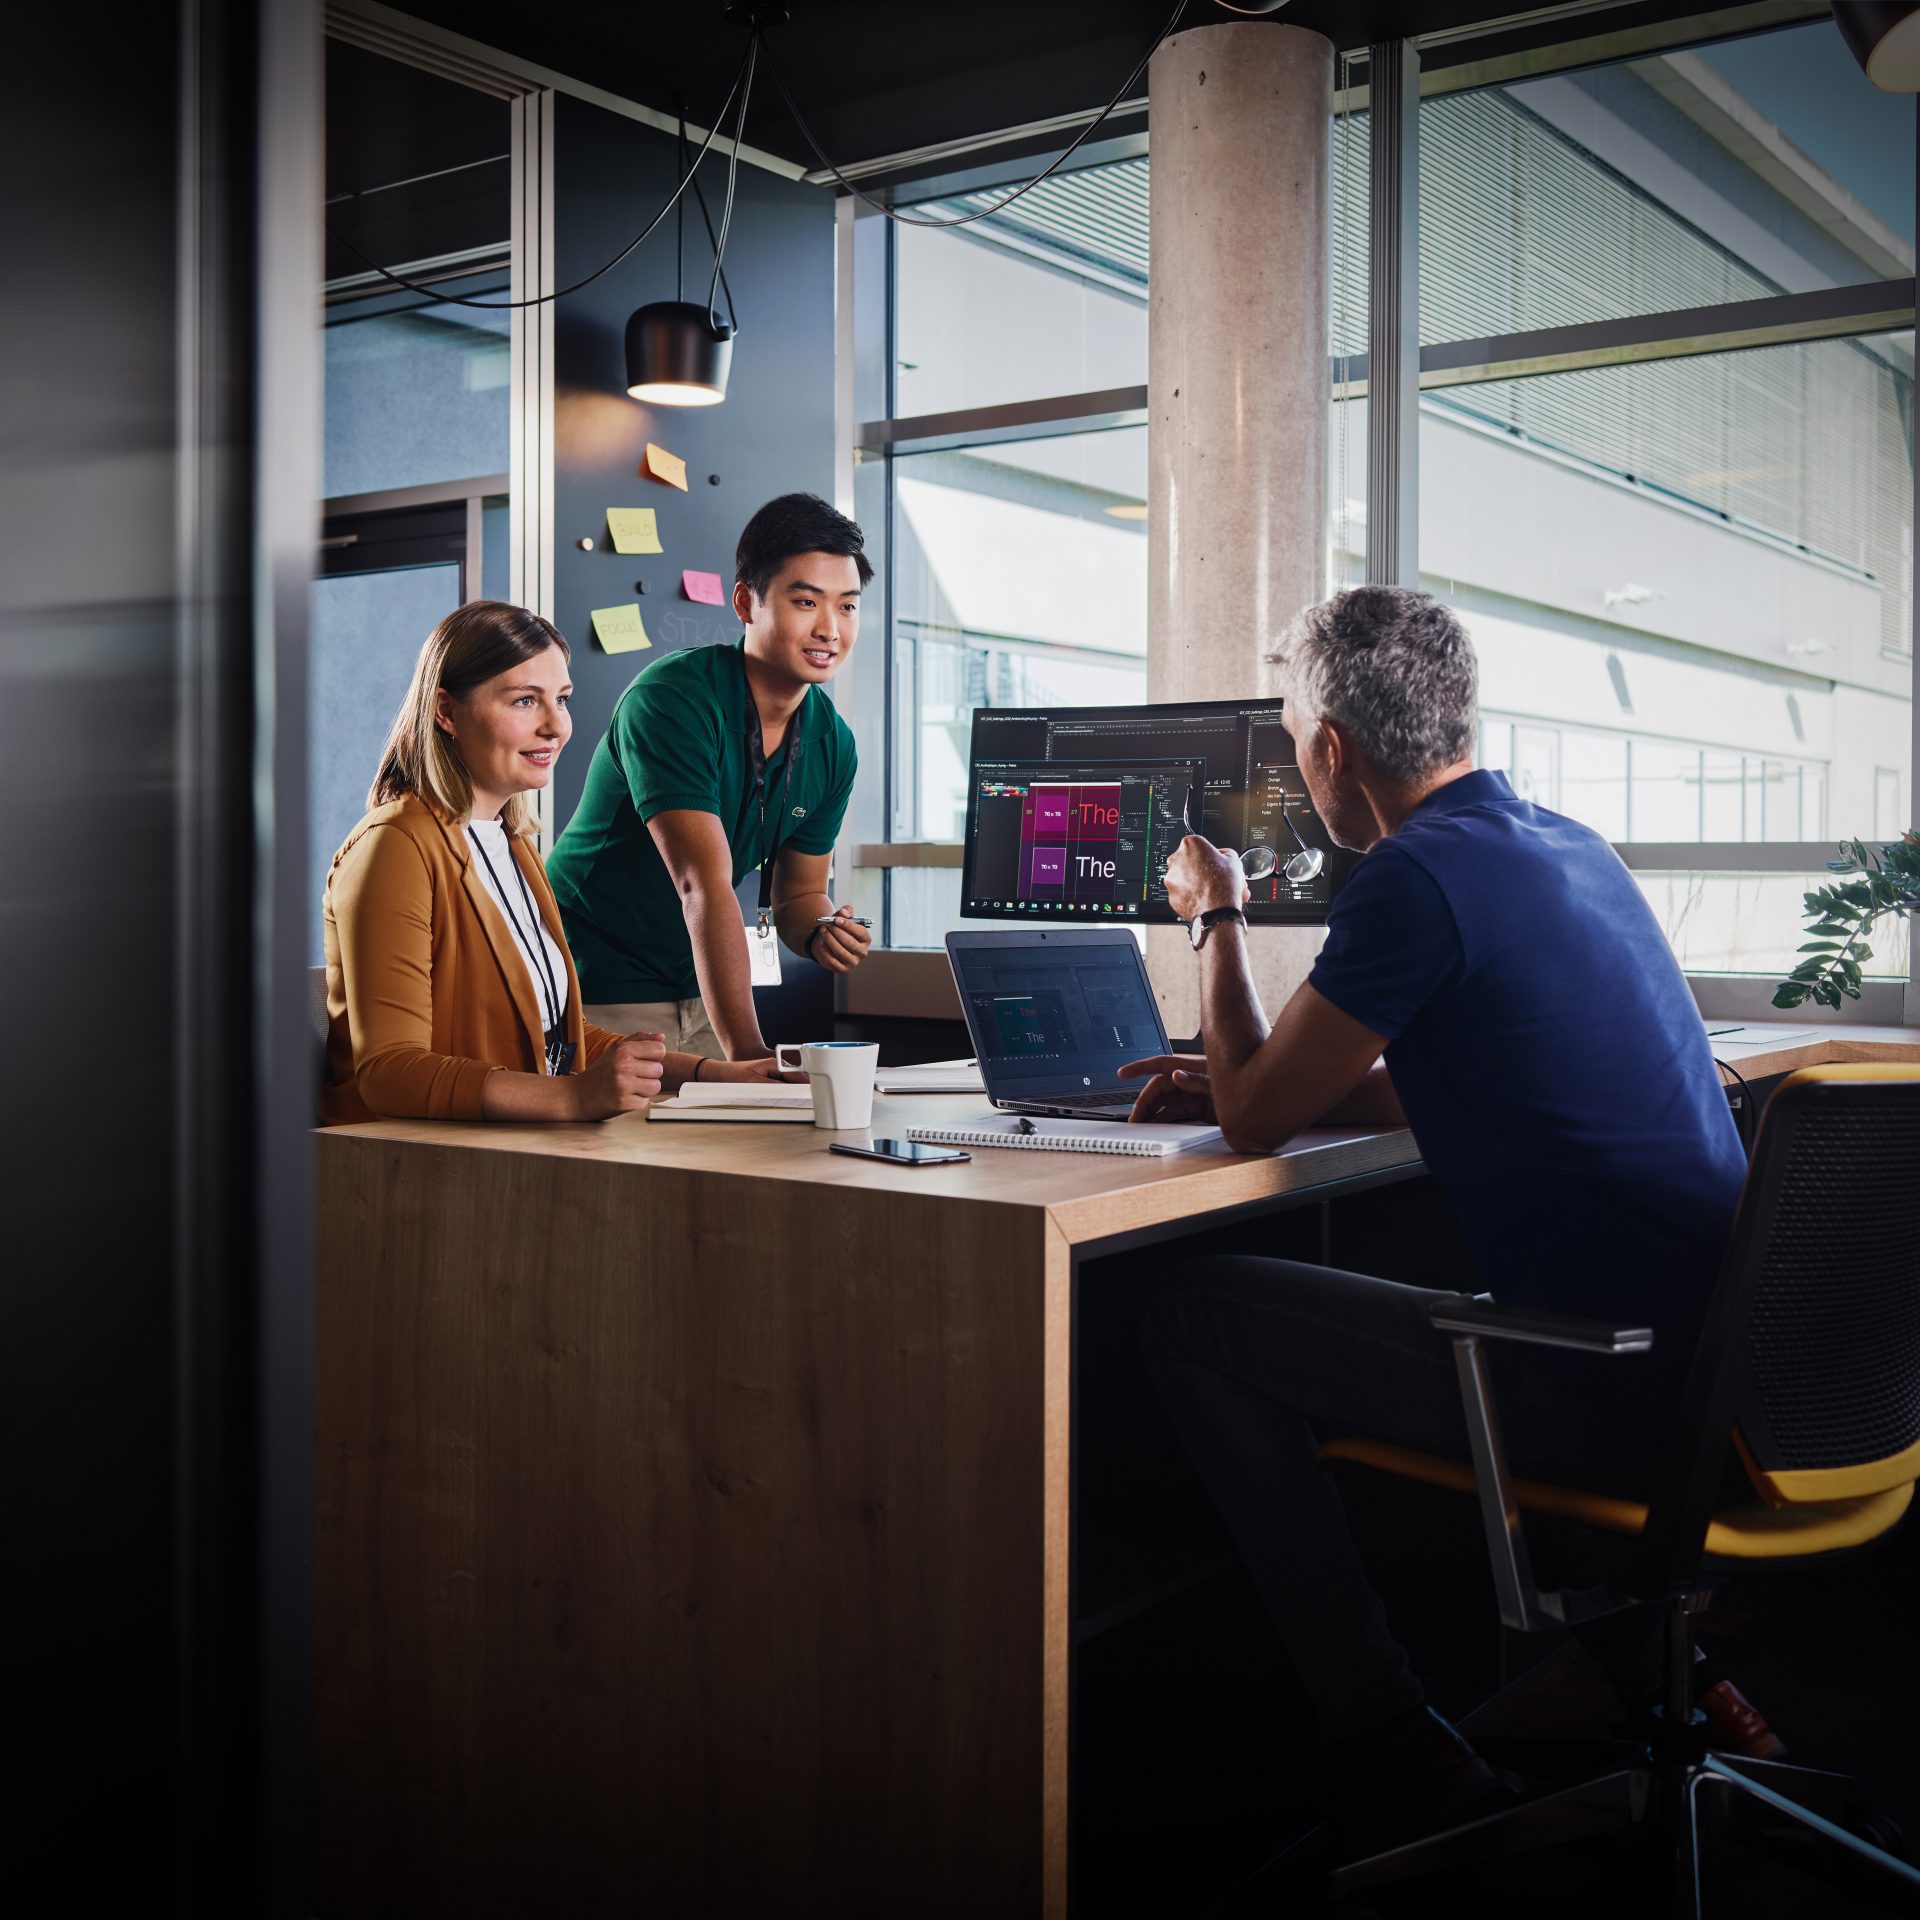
x=841 y=1074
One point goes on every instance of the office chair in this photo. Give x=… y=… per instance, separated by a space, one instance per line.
x=1810 y=1360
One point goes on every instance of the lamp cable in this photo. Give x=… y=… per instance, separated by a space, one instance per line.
x=1006 y=200
x=742 y=90
x=440 y=298
x=706 y=220
x=733 y=169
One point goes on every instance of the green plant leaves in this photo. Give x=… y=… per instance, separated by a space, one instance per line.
x=1842 y=914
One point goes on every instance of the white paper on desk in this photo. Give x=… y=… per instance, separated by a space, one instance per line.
x=1759 y=1036
x=745 y=1093
x=668 y=1108
x=935 y=1076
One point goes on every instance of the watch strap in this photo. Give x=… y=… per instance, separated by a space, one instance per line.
x=1203 y=924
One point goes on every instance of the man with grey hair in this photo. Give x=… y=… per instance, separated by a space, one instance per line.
x=1493 y=978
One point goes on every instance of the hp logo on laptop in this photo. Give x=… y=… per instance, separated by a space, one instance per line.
x=1086 y=1080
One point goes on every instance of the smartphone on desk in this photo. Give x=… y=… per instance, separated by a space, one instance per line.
x=900 y=1153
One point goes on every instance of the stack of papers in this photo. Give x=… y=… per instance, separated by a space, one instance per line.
x=936 y=1076
x=737 y=1100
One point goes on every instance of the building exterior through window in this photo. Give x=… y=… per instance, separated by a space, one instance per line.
x=1689 y=579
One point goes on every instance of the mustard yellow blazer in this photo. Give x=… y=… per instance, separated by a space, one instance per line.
x=427 y=992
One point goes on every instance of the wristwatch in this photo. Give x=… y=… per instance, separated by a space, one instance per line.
x=1203 y=923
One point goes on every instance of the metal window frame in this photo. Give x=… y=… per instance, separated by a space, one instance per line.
x=507 y=76
x=1393 y=317
x=532 y=93
x=471 y=494
x=530 y=464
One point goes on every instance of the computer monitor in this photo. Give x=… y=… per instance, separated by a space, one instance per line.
x=1073 y=812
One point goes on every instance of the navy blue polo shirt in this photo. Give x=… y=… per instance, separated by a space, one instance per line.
x=1551 y=1061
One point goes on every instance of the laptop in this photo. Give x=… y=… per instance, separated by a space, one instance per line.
x=1053 y=1012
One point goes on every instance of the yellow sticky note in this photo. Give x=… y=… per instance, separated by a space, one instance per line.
x=633 y=530
x=618 y=629
x=666 y=466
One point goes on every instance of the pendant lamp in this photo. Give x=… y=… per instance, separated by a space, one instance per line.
x=679 y=352
x=676 y=357
x=1885 y=39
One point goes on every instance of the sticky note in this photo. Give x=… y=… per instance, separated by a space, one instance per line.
x=666 y=466
x=618 y=629
x=633 y=530
x=704 y=587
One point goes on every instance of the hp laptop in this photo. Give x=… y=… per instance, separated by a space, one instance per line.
x=1053 y=1011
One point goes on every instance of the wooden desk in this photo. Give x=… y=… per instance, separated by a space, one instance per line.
x=693 y=1509
x=1817 y=1045
x=693 y=1506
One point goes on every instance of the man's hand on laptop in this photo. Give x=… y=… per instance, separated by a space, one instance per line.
x=1178 y=1088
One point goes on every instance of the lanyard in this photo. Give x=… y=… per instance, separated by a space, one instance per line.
x=536 y=950
x=760 y=793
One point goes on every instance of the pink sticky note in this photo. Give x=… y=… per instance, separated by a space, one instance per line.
x=704 y=587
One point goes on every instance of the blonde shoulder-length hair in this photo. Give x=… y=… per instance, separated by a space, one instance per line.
x=468 y=648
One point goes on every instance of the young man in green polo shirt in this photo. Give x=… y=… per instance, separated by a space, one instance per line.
x=721 y=762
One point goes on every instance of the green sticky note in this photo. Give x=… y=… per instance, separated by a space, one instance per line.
x=618 y=629
x=633 y=530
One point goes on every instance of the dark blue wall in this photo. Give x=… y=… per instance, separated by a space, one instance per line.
x=773 y=434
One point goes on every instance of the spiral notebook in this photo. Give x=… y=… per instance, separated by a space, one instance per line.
x=1067 y=1136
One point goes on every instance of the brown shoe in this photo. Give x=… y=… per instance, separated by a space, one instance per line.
x=1735 y=1725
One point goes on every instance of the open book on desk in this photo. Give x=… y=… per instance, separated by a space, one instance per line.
x=1066 y=1136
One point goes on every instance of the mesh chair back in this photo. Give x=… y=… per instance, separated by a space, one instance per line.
x=1829 y=1405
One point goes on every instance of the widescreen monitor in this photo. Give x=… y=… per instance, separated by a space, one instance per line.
x=1072 y=812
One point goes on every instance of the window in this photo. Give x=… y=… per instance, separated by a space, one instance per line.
x=417 y=409
x=1729 y=172
x=1634 y=788
x=1706 y=552
x=1888 y=822
x=1016 y=565
x=1688 y=573
x=1046 y=298
x=415 y=397
x=1020 y=580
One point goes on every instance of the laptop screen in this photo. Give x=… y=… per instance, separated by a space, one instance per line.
x=1054 y=1013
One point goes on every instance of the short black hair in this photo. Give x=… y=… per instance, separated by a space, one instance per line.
x=795 y=523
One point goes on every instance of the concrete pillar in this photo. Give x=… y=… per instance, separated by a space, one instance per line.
x=1237 y=389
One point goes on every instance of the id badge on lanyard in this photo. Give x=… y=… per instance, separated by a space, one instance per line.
x=763 y=943
x=763 y=953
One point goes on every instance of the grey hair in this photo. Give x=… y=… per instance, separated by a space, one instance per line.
x=1395 y=668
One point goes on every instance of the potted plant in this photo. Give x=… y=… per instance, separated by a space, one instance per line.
x=1841 y=914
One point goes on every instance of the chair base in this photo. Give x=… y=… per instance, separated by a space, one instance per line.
x=1664 y=1798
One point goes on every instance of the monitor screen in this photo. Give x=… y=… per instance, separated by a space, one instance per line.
x=1073 y=812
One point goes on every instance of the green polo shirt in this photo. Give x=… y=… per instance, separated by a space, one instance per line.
x=683 y=735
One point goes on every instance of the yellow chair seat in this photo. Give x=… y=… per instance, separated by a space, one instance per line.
x=1734 y=1533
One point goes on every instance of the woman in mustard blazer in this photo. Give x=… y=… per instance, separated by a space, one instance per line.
x=450 y=991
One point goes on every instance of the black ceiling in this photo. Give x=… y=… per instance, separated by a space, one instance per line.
x=875 y=77
x=416 y=165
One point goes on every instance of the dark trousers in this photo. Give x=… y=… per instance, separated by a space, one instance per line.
x=1260 y=1360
